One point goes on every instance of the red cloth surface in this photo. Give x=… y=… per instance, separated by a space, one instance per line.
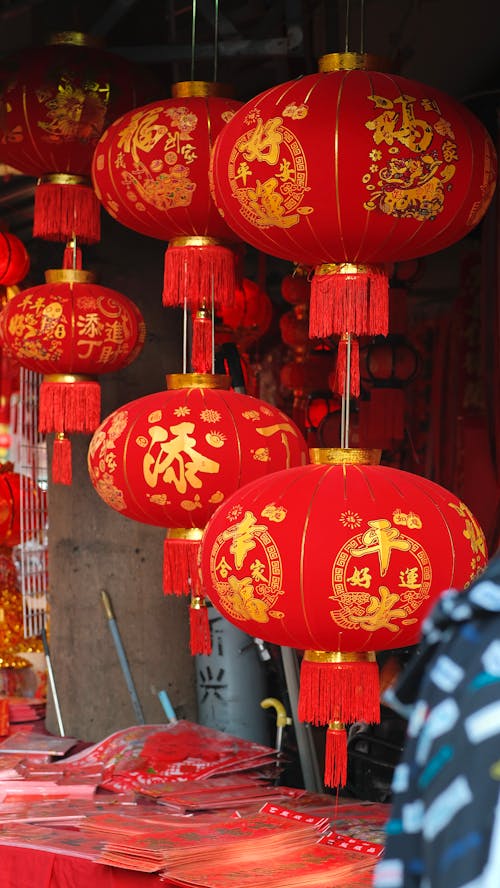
x=25 y=868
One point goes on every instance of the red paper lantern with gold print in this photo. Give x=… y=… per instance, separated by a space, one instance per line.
x=14 y=259
x=12 y=485
x=346 y=170
x=71 y=329
x=339 y=560
x=150 y=171
x=55 y=102
x=171 y=458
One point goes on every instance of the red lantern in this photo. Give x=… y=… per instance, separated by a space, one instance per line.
x=389 y=365
x=71 y=329
x=14 y=259
x=339 y=560
x=352 y=169
x=171 y=458
x=55 y=102
x=150 y=171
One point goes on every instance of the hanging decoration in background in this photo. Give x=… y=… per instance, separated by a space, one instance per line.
x=55 y=102
x=388 y=366
x=14 y=259
x=71 y=329
x=244 y=322
x=354 y=168
x=305 y=371
x=169 y=459
x=150 y=172
x=351 y=556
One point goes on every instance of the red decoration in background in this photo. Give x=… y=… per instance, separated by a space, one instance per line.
x=339 y=560
x=71 y=329
x=55 y=102
x=169 y=459
x=354 y=169
x=14 y=259
x=388 y=366
x=150 y=172
x=10 y=505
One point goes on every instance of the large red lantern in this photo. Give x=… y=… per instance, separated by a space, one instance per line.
x=346 y=170
x=14 y=259
x=55 y=102
x=339 y=560
x=71 y=329
x=171 y=458
x=150 y=171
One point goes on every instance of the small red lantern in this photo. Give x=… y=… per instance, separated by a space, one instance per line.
x=14 y=259
x=339 y=560
x=71 y=329
x=11 y=485
x=388 y=366
x=169 y=459
x=55 y=102
x=150 y=172
x=354 y=168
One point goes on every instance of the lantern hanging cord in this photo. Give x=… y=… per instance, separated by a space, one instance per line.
x=362 y=27
x=347 y=16
x=346 y=392
x=193 y=37
x=212 y=324
x=216 y=40
x=184 y=337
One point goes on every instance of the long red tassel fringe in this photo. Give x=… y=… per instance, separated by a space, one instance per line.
x=62 y=472
x=339 y=378
x=69 y=406
x=200 y=641
x=335 y=757
x=355 y=302
x=346 y=692
x=181 y=572
x=201 y=350
x=192 y=273
x=63 y=210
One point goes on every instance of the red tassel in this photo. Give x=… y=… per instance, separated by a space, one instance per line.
x=193 y=273
x=71 y=406
x=346 y=690
x=62 y=472
x=336 y=755
x=72 y=257
x=349 y=297
x=200 y=641
x=201 y=351
x=339 y=378
x=181 y=571
x=62 y=210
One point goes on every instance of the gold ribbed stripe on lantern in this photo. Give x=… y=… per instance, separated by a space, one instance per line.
x=352 y=61
x=69 y=276
x=184 y=533
x=339 y=656
x=186 y=89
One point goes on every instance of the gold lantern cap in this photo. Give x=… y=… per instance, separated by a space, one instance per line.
x=352 y=61
x=75 y=38
x=344 y=456
x=69 y=275
x=189 y=89
x=198 y=380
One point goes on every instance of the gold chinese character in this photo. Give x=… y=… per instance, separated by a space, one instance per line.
x=90 y=325
x=223 y=567
x=408 y=578
x=381 y=539
x=243 y=535
x=263 y=142
x=243 y=172
x=256 y=569
x=172 y=454
x=360 y=577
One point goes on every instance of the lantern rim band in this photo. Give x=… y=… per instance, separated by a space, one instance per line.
x=352 y=61
x=198 y=241
x=184 y=533
x=197 y=602
x=342 y=456
x=339 y=656
x=69 y=377
x=69 y=275
x=177 y=381
x=75 y=38
x=336 y=726
x=64 y=179
x=185 y=89
x=349 y=268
